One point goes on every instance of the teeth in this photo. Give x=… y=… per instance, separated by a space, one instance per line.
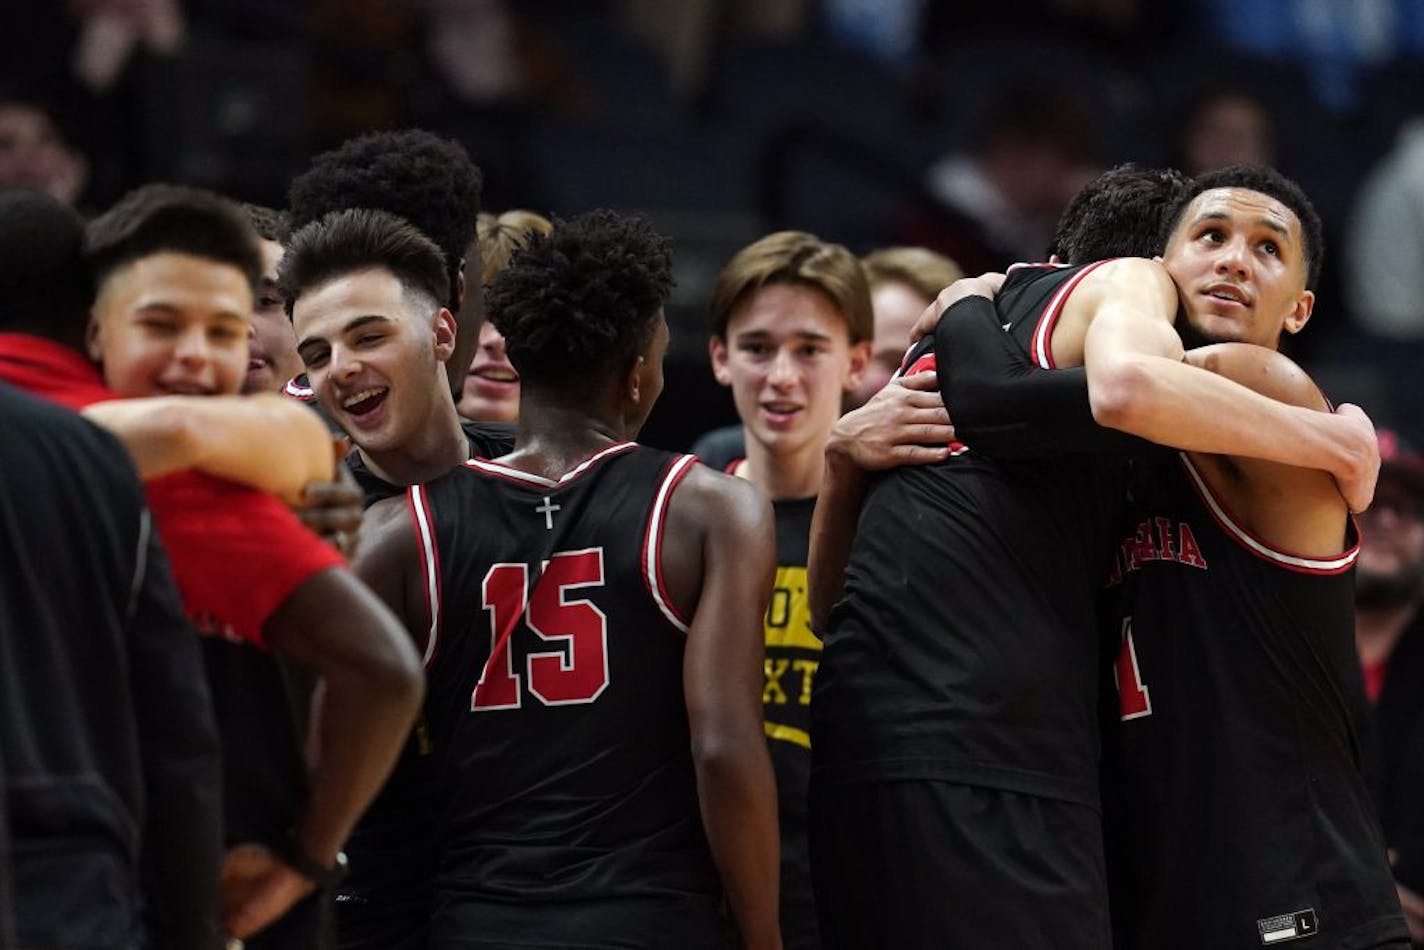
x=364 y=394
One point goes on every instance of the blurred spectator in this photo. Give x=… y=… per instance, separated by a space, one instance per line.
x=1389 y=631
x=903 y=282
x=1037 y=148
x=491 y=392
x=34 y=154
x=1224 y=126
x=1385 y=248
x=111 y=31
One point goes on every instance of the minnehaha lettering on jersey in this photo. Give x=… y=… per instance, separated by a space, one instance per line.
x=1157 y=539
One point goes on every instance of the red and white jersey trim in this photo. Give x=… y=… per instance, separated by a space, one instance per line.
x=653 y=541
x=1025 y=265
x=528 y=478
x=1041 y=349
x=1223 y=517
x=297 y=391
x=419 y=501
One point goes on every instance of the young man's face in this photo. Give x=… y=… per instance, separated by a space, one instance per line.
x=896 y=306
x=788 y=359
x=1391 y=565
x=1237 y=257
x=172 y=323
x=272 y=358
x=375 y=356
x=491 y=392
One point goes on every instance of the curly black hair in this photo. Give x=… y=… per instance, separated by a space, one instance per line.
x=428 y=180
x=46 y=287
x=1269 y=182
x=269 y=223
x=159 y=217
x=1121 y=213
x=582 y=302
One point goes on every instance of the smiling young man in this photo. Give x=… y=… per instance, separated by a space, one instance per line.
x=272 y=360
x=791 y=325
x=175 y=270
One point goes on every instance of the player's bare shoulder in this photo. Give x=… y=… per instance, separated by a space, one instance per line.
x=385 y=555
x=712 y=515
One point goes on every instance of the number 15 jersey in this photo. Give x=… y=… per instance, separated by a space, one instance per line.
x=554 y=666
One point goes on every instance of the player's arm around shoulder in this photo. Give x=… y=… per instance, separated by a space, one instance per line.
x=1298 y=510
x=384 y=560
x=719 y=559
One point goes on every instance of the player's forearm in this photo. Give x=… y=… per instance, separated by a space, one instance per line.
x=737 y=791
x=832 y=533
x=267 y=442
x=362 y=722
x=1174 y=404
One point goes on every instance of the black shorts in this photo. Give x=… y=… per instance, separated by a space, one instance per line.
x=390 y=919
x=307 y=926
x=673 y=923
x=799 y=927
x=927 y=864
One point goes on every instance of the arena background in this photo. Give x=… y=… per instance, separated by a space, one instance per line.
x=724 y=120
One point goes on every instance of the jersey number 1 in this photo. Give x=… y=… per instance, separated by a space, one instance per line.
x=1134 y=701
x=577 y=673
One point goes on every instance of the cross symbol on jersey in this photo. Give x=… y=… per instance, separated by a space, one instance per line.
x=547 y=510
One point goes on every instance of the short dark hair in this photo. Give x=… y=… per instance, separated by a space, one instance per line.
x=344 y=242
x=1269 y=182
x=421 y=177
x=1121 y=213
x=269 y=223
x=581 y=302
x=163 y=218
x=46 y=285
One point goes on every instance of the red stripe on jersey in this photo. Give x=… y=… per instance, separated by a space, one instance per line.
x=507 y=473
x=1042 y=345
x=429 y=552
x=652 y=558
x=925 y=364
x=1220 y=513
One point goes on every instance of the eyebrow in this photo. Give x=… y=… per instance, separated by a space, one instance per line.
x=172 y=311
x=802 y=336
x=1275 y=226
x=353 y=324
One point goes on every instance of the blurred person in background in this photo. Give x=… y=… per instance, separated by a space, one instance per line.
x=1221 y=126
x=1035 y=149
x=272 y=360
x=491 y=392
x=1385 y=246
x=1389 y=632
x=903 y=282
x=34 y=153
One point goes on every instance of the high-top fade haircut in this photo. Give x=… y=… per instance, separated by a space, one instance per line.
x=347 y=242
x=1269 y=182
x=800 y=259
x=582 y=302
x=46 y=285
x=176 y=219
x=425 y=179
x=1124 y=212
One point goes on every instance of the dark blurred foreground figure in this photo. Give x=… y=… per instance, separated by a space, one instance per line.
x=111 y=764
x=1389 y=631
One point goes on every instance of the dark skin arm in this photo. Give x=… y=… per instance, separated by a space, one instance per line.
x=372 y=685
x=719 y=559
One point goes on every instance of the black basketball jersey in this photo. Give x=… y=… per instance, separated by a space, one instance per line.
x=1237 y=811
x=965 y=646
x=555 y=691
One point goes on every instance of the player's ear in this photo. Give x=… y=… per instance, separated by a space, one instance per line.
x=860 y=354
x=633 y=380
x=444 y=325
x=93 y=343
x=1300 y=313
x=717 y=349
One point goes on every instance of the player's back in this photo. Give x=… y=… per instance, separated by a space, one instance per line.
x=1239 y=694
x=555 y=684
x=964 y=649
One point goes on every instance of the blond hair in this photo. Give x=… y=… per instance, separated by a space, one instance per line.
x=795 y=257
x=501 y=235
x=924 y=271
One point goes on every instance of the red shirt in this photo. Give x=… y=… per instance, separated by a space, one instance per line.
x=237 y=553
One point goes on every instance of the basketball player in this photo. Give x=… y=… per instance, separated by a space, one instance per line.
x=985 y=731
x=791 y=323
x=430 y=182
x=175 y=269
x=598 y=707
